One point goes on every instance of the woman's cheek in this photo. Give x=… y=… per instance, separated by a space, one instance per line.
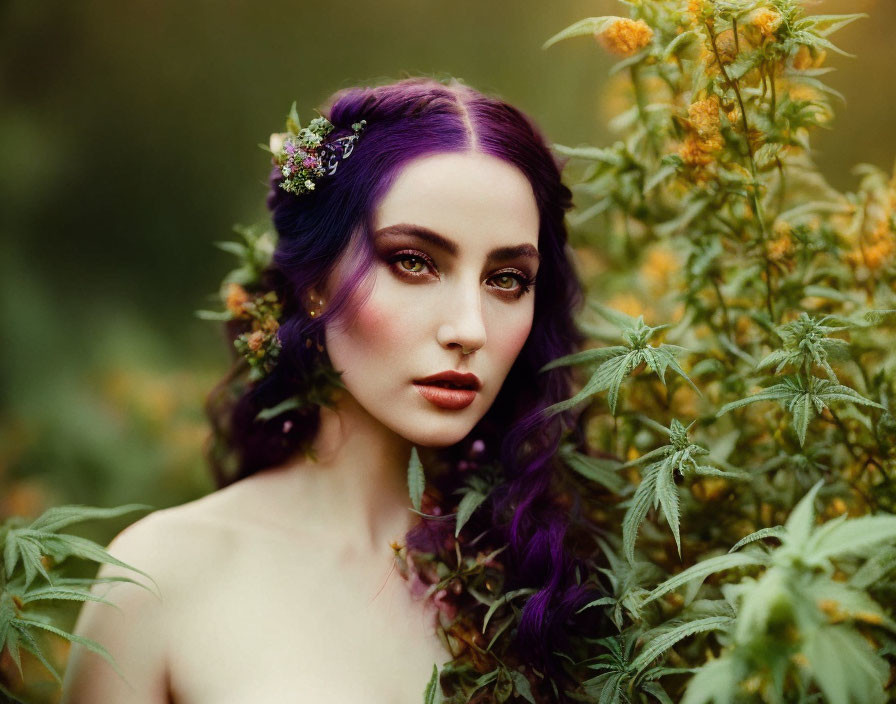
x=377 y=325
x=513 y=339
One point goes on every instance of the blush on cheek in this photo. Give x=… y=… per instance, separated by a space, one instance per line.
x=376 y=325
x=514 y=339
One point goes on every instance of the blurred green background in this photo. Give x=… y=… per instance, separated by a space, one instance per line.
x=128 y=145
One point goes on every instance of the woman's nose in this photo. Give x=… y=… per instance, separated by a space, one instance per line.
x=463 y=326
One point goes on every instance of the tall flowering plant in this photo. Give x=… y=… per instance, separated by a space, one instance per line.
x=744 y=544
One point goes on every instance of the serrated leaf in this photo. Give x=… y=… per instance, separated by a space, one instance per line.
x=637 y=511
x=416 y=479
x=585 y=27
x=703 y=569
x=431 y=692
x=667 y=495
x=851 y=536
x=657 y=644
x=602 y=472
x=521 y=686
x=845 y=667
x=801 y=519
x=772 y=532
x=61 y=516
x=467 y=506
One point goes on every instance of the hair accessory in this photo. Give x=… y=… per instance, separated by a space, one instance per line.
x=302 y=155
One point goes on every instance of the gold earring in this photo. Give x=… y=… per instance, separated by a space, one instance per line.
x=317 y=310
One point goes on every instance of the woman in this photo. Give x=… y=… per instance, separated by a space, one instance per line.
x=408 y=268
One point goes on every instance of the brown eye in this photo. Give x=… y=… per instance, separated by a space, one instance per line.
x=508 y=280
x=416 y=264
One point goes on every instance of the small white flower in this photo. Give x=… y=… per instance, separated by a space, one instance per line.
x=309 y=184
x=285 y=170
x=276 y=141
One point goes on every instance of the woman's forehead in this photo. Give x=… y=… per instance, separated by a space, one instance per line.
x=466 y=197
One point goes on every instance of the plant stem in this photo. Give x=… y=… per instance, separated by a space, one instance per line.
x=754 y=200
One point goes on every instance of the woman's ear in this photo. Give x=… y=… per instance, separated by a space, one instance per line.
x=313 y=303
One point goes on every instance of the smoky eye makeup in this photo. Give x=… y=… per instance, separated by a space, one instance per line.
x=413 y=264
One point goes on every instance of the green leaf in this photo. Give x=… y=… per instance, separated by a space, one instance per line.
x=432 y=691
x=852 y=536
x=416 y=479
x=290 y=404
x=802 y=518
x=716 y=682
x=657 y=643
x=235 y=248
x=773 y=532
x=215 y=315
x=468 y=504
x=292 y=121
x=521 y=686
x=597 y=470
x=637 y=511
x=61 y=516
x=31 y=645
x=656 y=689
x=603 y=601
x=703 y=569
x=46 y=593
x=599 y=354
x=845 y=667
x=586 y=27
x=501 y=600
x=667 y=494
x=825 y=25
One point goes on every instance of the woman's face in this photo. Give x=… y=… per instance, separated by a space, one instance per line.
x=455 y=243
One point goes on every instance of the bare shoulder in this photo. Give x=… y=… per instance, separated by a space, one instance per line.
x=176 y=550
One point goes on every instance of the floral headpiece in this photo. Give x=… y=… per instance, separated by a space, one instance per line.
x=302 y=155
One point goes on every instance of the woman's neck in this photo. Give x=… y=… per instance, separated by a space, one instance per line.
x=357 y=487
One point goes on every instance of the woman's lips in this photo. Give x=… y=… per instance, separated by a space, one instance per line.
x=451 y=399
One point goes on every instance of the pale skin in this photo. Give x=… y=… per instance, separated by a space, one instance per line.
x=282 y=587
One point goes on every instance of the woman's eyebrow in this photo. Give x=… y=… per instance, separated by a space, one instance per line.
x=434 y=238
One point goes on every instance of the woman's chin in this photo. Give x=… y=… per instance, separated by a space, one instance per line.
x=438 y=436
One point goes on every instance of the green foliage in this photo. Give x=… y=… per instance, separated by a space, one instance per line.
x=795 y=620
x=35 y=553
x=617 y=362
x=657 y=487
x=709 y=211
x=416 y=479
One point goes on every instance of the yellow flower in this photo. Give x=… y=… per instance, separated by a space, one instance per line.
x=255 y=340
x=235 y=297
x=780 y=247
x=699 y=152
x=704 y=117
x=628 y=304
x=766 y=20
x=625 y=37
x=699 y=10
x=658 y=267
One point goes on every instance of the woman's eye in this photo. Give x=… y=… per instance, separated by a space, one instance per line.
x=507 y=281
x=416 y=264
x=409 y=263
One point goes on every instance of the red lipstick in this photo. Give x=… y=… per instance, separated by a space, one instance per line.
x=449 y=390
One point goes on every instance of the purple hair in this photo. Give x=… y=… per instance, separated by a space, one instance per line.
x=407 y=120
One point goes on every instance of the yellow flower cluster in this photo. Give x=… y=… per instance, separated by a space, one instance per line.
x=766 y=20
x=625 y=37
x=875 y=242
x=878 y=251
x=704 y=139
x=780 y=246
